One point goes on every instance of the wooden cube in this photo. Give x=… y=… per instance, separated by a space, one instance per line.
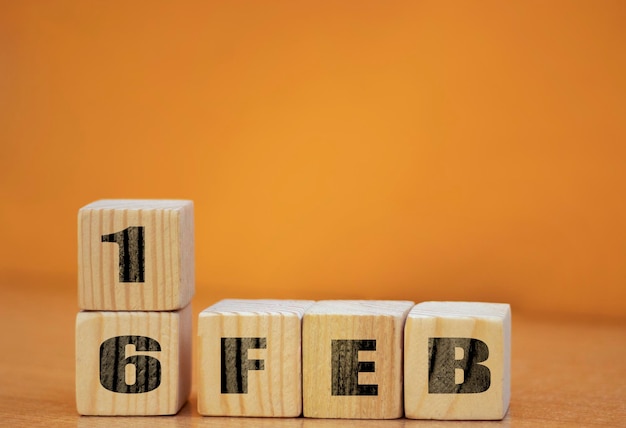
x=457 y=361
x=136 y=255
x=133 y=363
x=250 y=358
x=352 y=359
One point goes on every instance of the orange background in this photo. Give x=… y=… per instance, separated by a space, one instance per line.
x=346 y=149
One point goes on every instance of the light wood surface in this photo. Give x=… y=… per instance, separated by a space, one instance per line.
x=156 y=361
x=339 y=337
x=565 y=371
x=274 y=387
x=159 y=263
x=443 y=383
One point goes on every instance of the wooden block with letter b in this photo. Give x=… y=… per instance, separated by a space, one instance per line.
x=250 y=358
x=457 y=361
x=135 y=255
x=133 y=363
x=352 y=359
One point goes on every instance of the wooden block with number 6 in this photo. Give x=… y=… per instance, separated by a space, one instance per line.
x=250 y=361
x=135 y=255
x=133 y=363
x=352 y=359
x=457 y=360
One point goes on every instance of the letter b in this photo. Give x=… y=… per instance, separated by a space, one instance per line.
x=442 y=365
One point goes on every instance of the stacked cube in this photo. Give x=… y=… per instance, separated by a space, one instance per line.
x=356 y=359
x=135 y=284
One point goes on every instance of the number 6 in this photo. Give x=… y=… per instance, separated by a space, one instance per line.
x=113 y=362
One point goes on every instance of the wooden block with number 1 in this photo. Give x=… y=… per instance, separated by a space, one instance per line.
x=136 y=255
x=133 y=363
x=352 y=359
x=250 y=361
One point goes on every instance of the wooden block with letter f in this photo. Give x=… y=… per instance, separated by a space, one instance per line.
x=250 y=358
x=135 y=255
x=457 y=361
x=352 y=359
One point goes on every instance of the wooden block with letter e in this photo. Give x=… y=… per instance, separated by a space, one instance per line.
x=352 y=359
x=133 y=363
x=457 y=361
x=135 y=255
x=250 y=358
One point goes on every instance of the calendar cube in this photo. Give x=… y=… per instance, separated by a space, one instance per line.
x=136 y=255
x=352 y=359
x=250 y=358
x=133 y=363
x=457 y=361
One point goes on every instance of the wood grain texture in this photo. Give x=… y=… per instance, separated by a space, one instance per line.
x=330 y=358
x=565 y=371
x=273 y=391
x=168 y=282
x=172 y=332
x=442 y=382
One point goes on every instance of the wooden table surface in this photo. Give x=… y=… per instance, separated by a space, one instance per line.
x=565 y=371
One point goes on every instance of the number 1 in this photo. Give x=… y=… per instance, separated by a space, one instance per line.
x=131 y=246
